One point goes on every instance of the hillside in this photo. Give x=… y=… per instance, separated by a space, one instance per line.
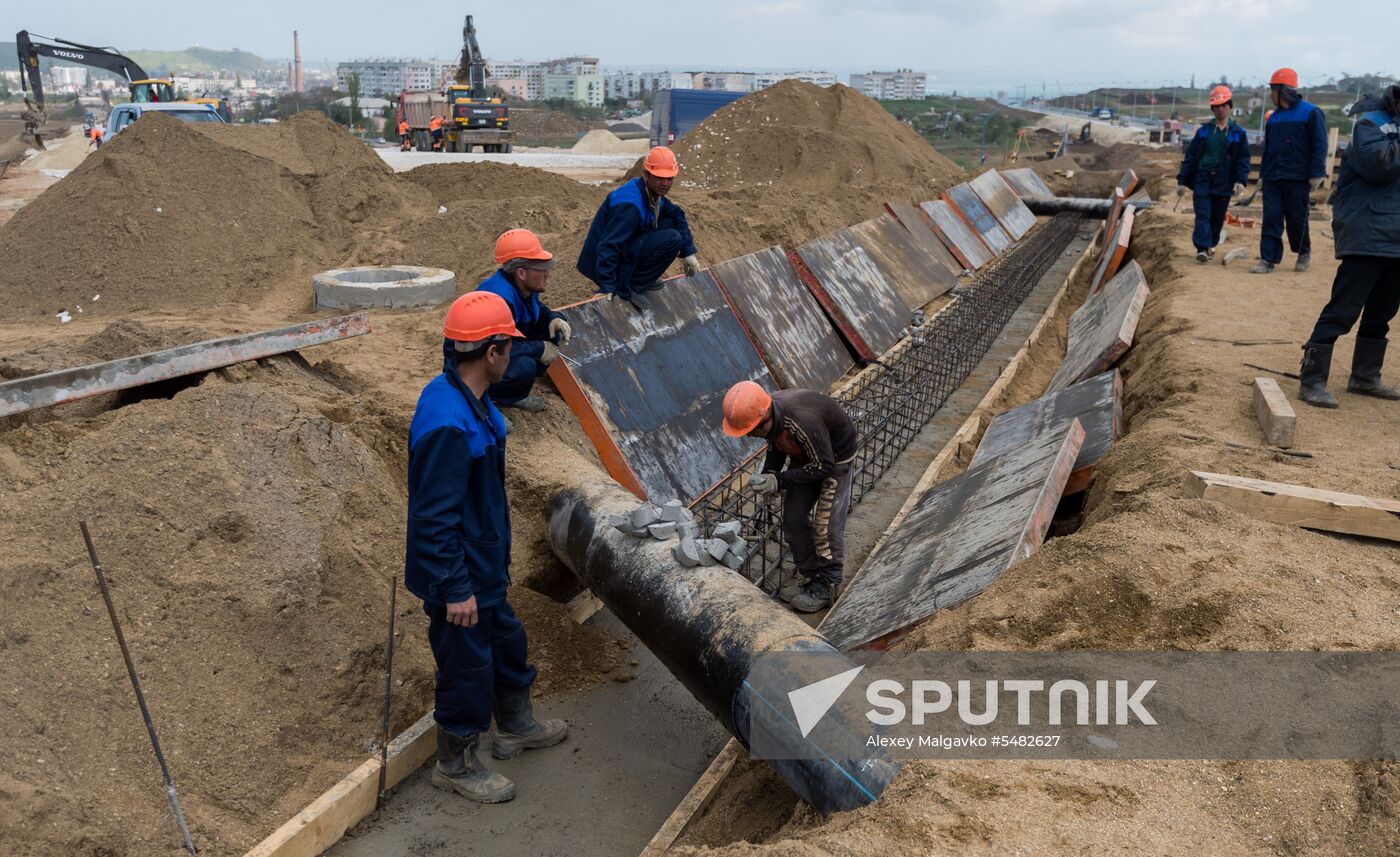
x=188 y=60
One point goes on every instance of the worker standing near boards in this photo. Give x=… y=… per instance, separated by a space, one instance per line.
x=1215 y=168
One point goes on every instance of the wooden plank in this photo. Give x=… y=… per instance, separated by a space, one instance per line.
x=1101 y=331
x=917 y=224
x=70 y=385
x=969 y=207
x=783 y=320
x=1329 y=165
x=916 y=276
x=324 y=821
x=693 y=805
x=1115 y=251
x=1301 y=506
x=583 y=607
x=1127 y=183
x=863 y=304
x=1116 y=201
x=1004 y=204
x=1027 y=182
x=953 y=231
x=1274 y=413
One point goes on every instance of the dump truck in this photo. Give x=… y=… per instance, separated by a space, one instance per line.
x=469 y=122
x=676 y=111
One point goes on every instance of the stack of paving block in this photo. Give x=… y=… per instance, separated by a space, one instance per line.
x=726 y=546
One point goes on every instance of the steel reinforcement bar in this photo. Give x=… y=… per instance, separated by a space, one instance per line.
x=893 y=401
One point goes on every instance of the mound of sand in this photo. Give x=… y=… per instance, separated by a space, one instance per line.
x=601 y=142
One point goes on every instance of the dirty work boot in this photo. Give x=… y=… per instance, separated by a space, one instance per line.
x=1262 y=267
x=1312 y=384
x=813 y=596
x=529 y=404
x=638 y=301
x=517 y=730
x=1304 y=259
x=459 y=770
x=654 y=287
x=790 y=590
x=1366 y=360
x=1202 y=256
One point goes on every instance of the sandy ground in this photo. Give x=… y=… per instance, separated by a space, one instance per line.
x=585 y=168
x=24 y=181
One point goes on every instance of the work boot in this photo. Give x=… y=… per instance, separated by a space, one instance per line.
x=1366 y=360
x=517 y=730
x=1262 y=267
x=638 y=301
x=1210 y=252
x=813 y=596
x=1304 y=259
x=459 y=770
x=529 y=404
x=1312 y=376
x=790 y=590
x=1203 y=256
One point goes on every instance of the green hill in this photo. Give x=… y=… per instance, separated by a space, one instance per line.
x=188 y=60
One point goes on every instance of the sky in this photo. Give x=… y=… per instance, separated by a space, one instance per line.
x=1048 y=46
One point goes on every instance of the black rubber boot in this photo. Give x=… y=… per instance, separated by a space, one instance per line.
x=517 y=730
x=1366 y=361
x=1312 y=376
x=459 y=770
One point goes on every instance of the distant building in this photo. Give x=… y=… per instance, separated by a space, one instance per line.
x=67 y=78
x=767 y=79
x=727 y=81
x=390 y=77
x=530 y=72
x=889 y=85
x=515 y=88
x=586 y=89
x=635 y=84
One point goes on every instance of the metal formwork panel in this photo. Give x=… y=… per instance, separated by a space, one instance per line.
x=1004 y=204
x=917 y=277
x=1115 y=249
x=1027 y=182
x=1128 y=182
x=953 y=231
x=917 y=224
x=970 y=207
x=783 y=320
x=847 y=283
x=1101 y=331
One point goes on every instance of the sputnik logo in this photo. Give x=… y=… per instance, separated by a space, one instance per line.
x=810 y=703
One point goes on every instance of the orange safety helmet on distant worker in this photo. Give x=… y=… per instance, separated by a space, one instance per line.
x=520 y=244
x=745 y=406
x=1284 y=77
x=661 y=162
x=479 y=315
x=1220 y=95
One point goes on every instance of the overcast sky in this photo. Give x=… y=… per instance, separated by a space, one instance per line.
x=1065 y=45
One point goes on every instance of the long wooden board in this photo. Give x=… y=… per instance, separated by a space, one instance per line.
x=917 y=224
x=917 y=277
x=970 y=208
x=1115 y=250
x=1004 y=204
x=1027 y=182
x=953 y=231
x=1101 y=331
x=1301 y=506
x=854 y=292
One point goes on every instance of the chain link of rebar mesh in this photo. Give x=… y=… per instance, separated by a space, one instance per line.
x=892 y=401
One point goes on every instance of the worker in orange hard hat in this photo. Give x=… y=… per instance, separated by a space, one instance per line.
x=458 y=556
x=1216 y=167
x=638 y=233
x=522 y=276
x=810 y=433
x=403 y=135
x=1295 y=149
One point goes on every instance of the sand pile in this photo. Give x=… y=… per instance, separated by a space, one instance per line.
x=601 y=142
x=531 y=125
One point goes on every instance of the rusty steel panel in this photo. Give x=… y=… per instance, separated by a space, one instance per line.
x=958 y=538
x=970 y=208
x=953 y=231
x=1004 y=204
x=917 y=224
x=1101 y=331
x=918 y=278
x=655 y=381
x=1027 y=182
x=847 y=283
x=783 y=320
x=69 y=385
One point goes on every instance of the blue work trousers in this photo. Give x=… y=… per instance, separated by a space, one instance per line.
x=659 y=249
x=1210 y=212
x=1285 y=205
x=518 y=381
x=473 y=662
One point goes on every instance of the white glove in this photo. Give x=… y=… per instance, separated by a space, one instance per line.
x=1237 y=189
x=1181 y=190
x=764 y=483
x=551 y=351
x=692 y=265
x=559 y=329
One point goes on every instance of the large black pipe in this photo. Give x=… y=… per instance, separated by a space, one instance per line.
x=1088 y=206
x=709 y=626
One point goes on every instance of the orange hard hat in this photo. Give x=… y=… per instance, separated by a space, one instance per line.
x=745 y=406
x=479 y=315
x=1285 y=77
x=1219 y=95
x=661 y=162
x=520 y=244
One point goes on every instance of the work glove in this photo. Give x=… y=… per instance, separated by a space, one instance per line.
x=1181 y=190
x=764 y=483
x=1237 y=189
x=559 y=329
x=550 y=352
x=692 y=265
x=1316 y=183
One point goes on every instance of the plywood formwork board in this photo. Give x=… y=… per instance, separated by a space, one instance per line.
x=1027 y=182
x=1004 y=204
x=954 y=232
x=1275 y=414
x=854 y=292
x=920 y=228
x=970 y=208
x=1114 y=252
x=1128 y=183
x=917 y=277
x=1301 y=506
x=1116 y=201
x=783 y=320
x=958 y=538
x=1101 y=331
x=1098 y=405
x=653 y=381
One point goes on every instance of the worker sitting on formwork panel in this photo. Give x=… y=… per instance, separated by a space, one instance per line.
x=814 y=434
x=637 y=234
x=458 y=556
x=521 y=279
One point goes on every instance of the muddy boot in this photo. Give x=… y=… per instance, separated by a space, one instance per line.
x=517 y=730
x=639 y=302
x=1202 y=256
x=1304 y=259
x=1312 y=383
x=529 y=404
x=1262 y=267
x=791 y=589
x=813 y=596
x=459 y=770
x=1366 y=360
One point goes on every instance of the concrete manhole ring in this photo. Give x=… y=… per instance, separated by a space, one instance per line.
x=393 y=286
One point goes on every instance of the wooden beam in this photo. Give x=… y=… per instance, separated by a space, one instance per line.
x=1327 y=165
x=693 y=805
x=1275 y=415
x=583 y=606
x=1301 y=506
x=321 y=824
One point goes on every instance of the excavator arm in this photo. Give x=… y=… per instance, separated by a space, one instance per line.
x=471 y=70
x=106 y=59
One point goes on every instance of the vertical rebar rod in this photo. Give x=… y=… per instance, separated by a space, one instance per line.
x=388 y=690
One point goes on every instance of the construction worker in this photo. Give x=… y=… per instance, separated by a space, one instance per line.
x=435 y=128
x=1366 y=223
x=458 y=556
x=814 y=435
x=95 y=136
x=522 y=277
x=1216 y=167
x=403 y=135
x=637 y=234
x=1295 y=148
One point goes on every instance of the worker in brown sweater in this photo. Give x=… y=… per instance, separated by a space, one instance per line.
x=810 y=433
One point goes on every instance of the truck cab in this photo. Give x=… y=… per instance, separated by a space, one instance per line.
x=477 y=113
x=123 y=115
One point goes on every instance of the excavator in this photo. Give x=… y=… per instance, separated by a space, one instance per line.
x=144 y=88
x=472 y=106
